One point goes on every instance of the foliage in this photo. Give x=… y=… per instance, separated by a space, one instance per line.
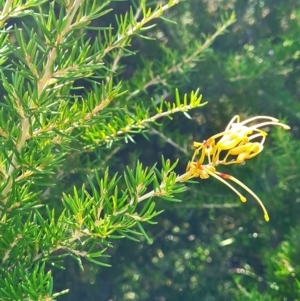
x=84 y=83
x=61 y=100
x=211 y=247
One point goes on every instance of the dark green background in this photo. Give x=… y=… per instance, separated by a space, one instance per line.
x=210 y=246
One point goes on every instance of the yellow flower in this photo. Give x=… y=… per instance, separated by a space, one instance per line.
x=237 y=143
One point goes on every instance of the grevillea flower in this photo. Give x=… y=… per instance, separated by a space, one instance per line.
x=233 y=146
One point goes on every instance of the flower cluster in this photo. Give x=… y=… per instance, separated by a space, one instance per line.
x=239 y=142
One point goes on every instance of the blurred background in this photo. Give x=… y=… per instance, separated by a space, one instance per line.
x=210 y=246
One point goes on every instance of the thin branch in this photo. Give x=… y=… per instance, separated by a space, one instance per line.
x=137 y=26
x=188 y=60
x=25 y=121
x=168 y=140
x=42 y=83
x=160 y=190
